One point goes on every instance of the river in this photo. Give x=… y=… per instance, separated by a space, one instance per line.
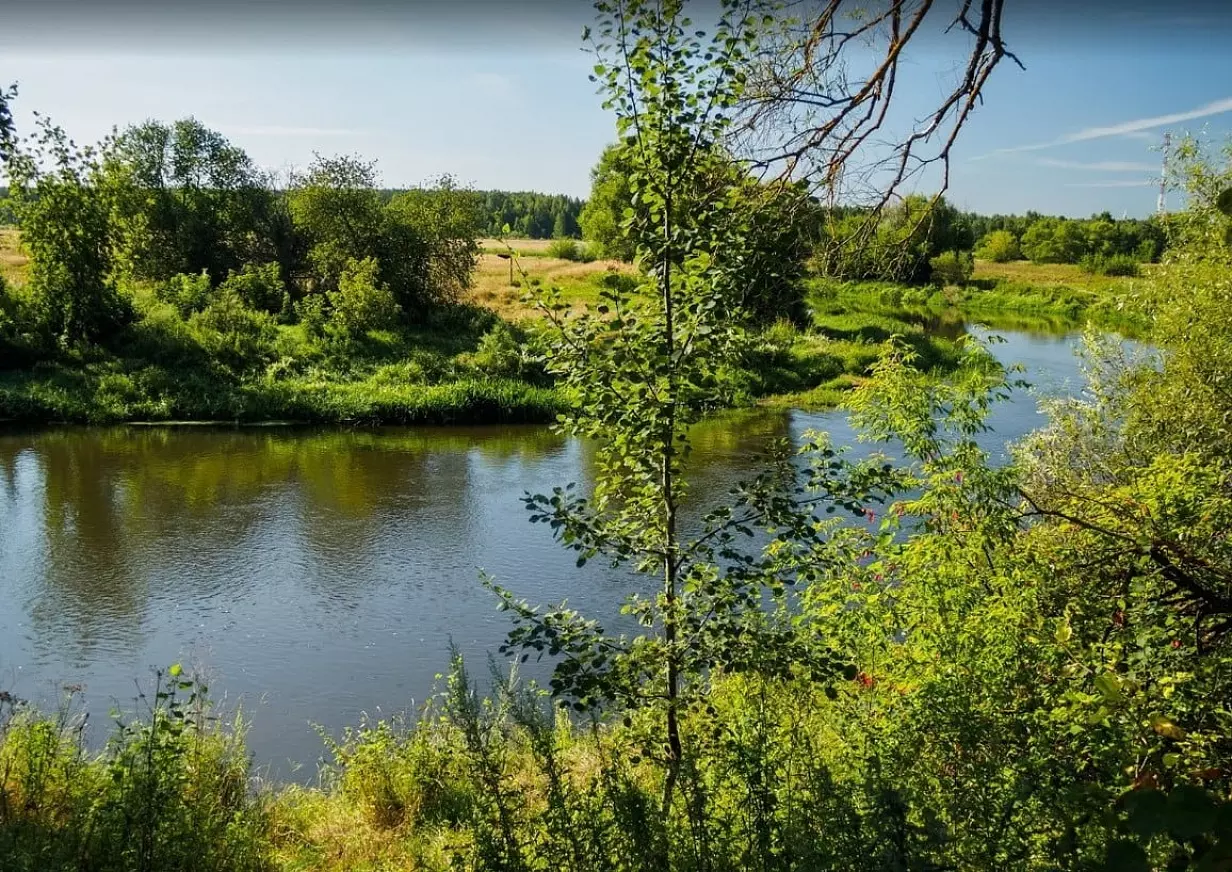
x=313 y=576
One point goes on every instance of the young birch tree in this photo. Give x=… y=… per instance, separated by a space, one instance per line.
x=643 y=366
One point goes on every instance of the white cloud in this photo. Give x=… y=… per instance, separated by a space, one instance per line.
x=1216 y=108
x=1102 y=166
x=1125 y=128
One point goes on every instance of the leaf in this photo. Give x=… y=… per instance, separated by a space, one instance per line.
x=175 y=670
x=1147 y=811
x=1110 y=686
x=1191 y=812
x=1164 y=725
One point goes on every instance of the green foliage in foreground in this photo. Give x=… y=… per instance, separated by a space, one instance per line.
x=170 y=791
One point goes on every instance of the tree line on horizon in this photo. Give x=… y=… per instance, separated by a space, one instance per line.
x=1034 y=236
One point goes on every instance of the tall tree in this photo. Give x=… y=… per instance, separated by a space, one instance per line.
x=185 y=200
x=610 y=195
x=643 y=366
x=64 y=216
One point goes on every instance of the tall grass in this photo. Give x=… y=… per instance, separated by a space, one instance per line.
x=100 y=395
x=170 y=791
x=505 y=782
x=484 y=782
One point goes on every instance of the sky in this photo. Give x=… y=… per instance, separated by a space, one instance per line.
x=498 y=95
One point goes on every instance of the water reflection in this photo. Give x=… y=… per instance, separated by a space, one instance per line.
x=318 y=574
x=290 y=560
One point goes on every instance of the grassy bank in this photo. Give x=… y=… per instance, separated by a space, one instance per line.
x=470 y=363
x=502 y=783
x=473 y=362
x=458 y=369
x=1020 y=295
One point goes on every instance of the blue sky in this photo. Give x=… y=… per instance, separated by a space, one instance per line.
x=511 y=107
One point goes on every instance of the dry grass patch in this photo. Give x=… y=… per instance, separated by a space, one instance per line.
x=1071 y=275
x=580 y=282
x=315 y=831
x=521 y=247
x=13 y=262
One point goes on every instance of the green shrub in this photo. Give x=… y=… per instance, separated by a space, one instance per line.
x=461 y=319
x=570 y=249
x=565 y=249
x=501 y=353
x=951 y=268
x=312 y=315
x=396 y=774
x=407 y=372
x=781 y=335
x=21 y=341
x=916 y=296
x=260 y=286
x=1112 y=265
x=187 y=292
x=362 y=302
x=168 y=792
x=1000 y=246
x=233 y=334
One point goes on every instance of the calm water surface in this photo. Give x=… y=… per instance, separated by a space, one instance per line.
x=317 y=575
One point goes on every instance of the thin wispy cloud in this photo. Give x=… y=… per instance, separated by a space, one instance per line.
x=1142 y=136
x=1119 y=183
x=1217 y=107
x=278 y=130
x=1125 y=128
x=1099 y=166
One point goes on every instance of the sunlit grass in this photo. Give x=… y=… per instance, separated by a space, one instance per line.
x=579 y=282
x=1068 y=274
x=14 y=264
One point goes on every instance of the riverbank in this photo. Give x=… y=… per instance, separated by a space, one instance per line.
x=480 y=386
x=234 y=548
x=1050 y=298
x=471 y=363
x=474 y=362
x=462 y=785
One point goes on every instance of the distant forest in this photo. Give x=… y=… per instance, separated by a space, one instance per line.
x=1041 y=238
x=529 y=214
